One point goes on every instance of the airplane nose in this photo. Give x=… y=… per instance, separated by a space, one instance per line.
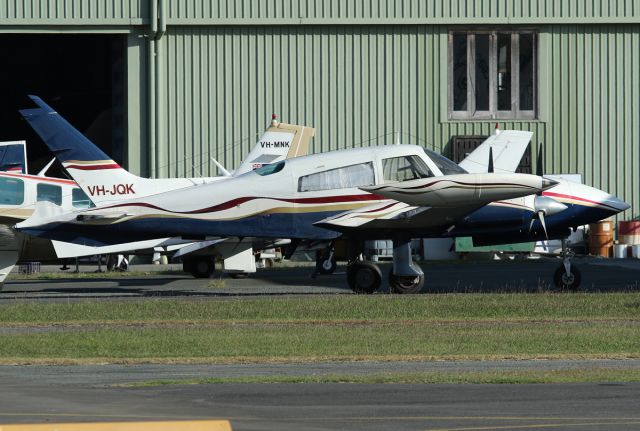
x=618 y=204
x=548 y=183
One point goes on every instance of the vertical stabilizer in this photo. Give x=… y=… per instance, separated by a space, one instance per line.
x=279 y=142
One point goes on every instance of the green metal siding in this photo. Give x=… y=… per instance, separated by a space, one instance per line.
x=594 y=96
x=248 y=12
x=318 y=12
x=359 y=85
x=72 y=12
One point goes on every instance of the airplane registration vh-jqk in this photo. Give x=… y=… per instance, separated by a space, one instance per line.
x=395 y=191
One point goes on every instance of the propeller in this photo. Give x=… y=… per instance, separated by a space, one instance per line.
x=543 y=204
x=540 y=216
x=490 y=168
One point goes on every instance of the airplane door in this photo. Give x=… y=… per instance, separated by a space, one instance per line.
x=276 y=218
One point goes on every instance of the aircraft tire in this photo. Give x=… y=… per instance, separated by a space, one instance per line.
x=326 y=266
x=200 y=266
x=405 y=285
x=364 y=277
x=564 y=282
x=238 y=275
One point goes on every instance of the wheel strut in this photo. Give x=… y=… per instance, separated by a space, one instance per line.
x=405 y=276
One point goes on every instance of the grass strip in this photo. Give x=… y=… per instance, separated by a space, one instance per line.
x=238 y=343
x=588 y=375
x=340 y=308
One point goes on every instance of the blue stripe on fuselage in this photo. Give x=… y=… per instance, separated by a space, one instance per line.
x=508 y=222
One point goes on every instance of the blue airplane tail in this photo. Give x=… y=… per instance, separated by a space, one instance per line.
x=64 y=140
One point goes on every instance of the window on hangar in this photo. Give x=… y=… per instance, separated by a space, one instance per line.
x=492 y=75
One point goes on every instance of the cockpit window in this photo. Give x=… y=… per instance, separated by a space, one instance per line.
x=404 y=168
x=447 y=166
x=269 y=169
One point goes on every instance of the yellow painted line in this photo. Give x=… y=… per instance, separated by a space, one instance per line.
x=207 y=425
x=534 y=426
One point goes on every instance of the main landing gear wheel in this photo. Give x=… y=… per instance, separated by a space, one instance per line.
x=200 y=266
x=238 y=275
x=405 y=284
x=326 y=265
x=570 y=281
x=364 y=277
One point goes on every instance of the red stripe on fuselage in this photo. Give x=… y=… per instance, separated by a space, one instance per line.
x=39 y=179
x=238 y=201
x=93 y=167
x=577 y=198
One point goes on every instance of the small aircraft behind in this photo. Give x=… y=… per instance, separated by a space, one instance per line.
x=396 y=191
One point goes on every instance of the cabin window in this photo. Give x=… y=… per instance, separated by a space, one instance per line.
x=492 y=75
x=11 y=191
x=269 y=169
x=359 y=175
x=49 y=193
x=404 y=168
x=80 y=200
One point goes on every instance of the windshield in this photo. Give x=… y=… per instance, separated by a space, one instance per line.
x=404 y=168
x=447 y=166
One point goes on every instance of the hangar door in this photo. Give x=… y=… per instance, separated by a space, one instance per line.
x=81 y=76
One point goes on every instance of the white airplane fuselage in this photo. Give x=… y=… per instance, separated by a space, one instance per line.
x=304 y=197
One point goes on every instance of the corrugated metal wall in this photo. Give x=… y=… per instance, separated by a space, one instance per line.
x=382 y=11
x=72 y=12
x=114 y=12
x=593 y=92
x=358 y=85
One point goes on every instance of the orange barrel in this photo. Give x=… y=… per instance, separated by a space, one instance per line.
x=629 y=232
x=601 y=238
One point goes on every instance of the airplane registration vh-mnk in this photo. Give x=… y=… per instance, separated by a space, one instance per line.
x=396 y=191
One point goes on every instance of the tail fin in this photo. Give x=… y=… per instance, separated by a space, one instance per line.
x=101 y=178
x=280 y=141
x=507 y=149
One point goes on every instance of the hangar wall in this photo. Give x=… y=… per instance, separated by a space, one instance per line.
x=358 y=85
x=205 y=75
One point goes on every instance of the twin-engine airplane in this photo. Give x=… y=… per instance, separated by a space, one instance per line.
x=397 y=191
x=103 y=183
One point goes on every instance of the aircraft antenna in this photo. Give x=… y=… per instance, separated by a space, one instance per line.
x=221 y=168
x=46 y=168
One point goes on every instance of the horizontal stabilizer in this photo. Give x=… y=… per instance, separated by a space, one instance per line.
x=67 y=249
x=196 y=246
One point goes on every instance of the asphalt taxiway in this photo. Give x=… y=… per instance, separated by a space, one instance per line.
x=100 y=393
x=94 y=393
x=598 y=275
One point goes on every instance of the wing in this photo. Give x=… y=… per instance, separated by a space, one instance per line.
x=390 y=215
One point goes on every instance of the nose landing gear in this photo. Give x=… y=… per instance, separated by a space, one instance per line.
x=567 y=276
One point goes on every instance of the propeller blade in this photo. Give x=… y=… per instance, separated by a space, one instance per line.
x=539 y=161
x=544 y=225
x=490 y=169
